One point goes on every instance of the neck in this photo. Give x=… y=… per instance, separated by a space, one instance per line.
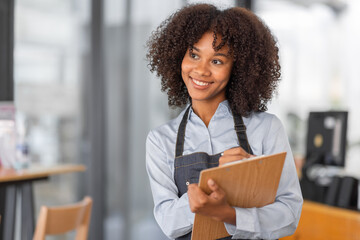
x=205 y=110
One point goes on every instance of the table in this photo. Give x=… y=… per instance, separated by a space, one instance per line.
x=12 y=180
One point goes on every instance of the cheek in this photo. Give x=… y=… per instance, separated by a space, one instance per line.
x=185 y=66
x=224 y=75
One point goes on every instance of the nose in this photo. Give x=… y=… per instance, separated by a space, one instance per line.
x=202 y=69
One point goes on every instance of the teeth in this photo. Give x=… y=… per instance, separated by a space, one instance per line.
x=200 y=83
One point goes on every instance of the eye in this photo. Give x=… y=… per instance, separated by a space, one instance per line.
x=193 y=55
x=217 y=62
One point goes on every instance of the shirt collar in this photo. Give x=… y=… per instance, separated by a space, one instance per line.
x=223 y=109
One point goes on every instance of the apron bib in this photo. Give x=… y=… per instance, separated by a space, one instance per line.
x=188 y=167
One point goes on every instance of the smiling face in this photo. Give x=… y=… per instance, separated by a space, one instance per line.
x=206 y=72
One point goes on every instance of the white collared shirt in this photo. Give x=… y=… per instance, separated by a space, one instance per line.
x=266 y=135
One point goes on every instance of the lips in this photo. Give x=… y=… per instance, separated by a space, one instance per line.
x=200 y=84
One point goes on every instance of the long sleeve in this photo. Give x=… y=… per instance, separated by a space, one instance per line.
x=172 y=213
x=266 y=136
x=280 y=218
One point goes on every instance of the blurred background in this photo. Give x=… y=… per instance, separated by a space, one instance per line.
x=84 y=94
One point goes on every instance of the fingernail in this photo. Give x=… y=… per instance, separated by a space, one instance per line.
x=211 y=182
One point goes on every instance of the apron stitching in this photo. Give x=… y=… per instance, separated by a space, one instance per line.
x=197 y=153
x=193 y=164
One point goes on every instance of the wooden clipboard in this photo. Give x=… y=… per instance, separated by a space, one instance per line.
x=248 y=183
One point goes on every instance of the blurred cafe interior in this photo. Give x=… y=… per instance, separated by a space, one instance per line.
x=77 y=98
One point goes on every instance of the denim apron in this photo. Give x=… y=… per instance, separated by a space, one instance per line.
x=188 y=167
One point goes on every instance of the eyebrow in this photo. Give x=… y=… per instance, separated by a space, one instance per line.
x=216 y=53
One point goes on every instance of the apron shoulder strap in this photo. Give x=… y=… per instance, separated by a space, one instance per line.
x=181 y=134
x=240 y=129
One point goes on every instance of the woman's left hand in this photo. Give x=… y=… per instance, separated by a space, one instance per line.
x=213 y=205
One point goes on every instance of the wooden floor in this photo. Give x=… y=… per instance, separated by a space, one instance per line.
x=322 y=222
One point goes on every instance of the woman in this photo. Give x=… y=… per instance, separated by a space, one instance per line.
x=224 y=66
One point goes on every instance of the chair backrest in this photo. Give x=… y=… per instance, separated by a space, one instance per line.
x=62 y=219
x=319 y=221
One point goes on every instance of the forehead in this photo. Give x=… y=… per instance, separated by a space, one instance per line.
x=208 y=42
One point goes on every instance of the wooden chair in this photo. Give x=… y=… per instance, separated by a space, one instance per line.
x=62 y=219
x=322 y=222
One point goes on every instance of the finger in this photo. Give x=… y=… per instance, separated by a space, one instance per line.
x=212 y=185
x=192 y=185
x=197 y=198
x=194 y=190
x=215 y=188
x=230 y=158
x=217 y=192
x=195 y=193
x=236 y=151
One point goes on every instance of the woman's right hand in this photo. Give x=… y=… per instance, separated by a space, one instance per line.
x=233 y=154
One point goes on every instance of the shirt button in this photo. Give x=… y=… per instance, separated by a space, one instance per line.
x=187 y=183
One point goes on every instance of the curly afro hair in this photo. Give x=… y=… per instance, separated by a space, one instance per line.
x=255 y=73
